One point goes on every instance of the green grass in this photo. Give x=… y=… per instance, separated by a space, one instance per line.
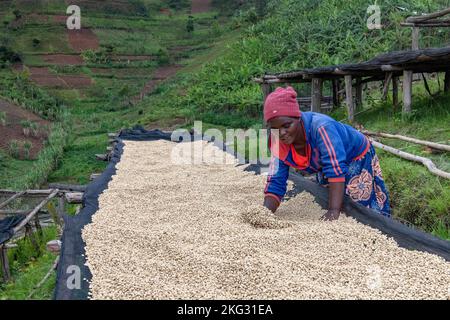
x=29 y=267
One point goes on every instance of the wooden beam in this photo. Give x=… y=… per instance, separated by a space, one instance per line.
x=359 y=94
x=5 y=263
x=335 y=90
x=430 y=144
x=35 y=210
x=74 y=197
x=349 y=98
x=112 y=135
x=68 y=187
x=102 y=157
x=387 y=82
x=428 y=16
x=316 y=94
x=411 y=157
x=94 y=176
x=407 y=91
x=415 y=38
x=14 y=197
x=426 y=24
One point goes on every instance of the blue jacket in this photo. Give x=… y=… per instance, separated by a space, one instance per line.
x=331 y=146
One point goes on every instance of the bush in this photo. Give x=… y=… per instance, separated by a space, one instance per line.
x=13 y=148
x=36 y=42
x=27 y=145
x=26 y=127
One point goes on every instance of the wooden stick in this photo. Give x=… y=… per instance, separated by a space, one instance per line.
x=430 y=144
x=14 y=197
x=411 y=157
x=35 y=210
x=415 y=38
x=5 y=263
x=428 y=16
x=54 y=266
x=74 y=197
x=387 y=82
x=68 y=187
x=349 y=98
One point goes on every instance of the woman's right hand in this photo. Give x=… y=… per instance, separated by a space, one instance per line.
x=271 y=203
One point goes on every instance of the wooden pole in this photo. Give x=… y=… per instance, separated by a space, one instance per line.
x=316 y=94
x=14 y=197
x=407 y=91
x=411 y=157
x=266 y=88
x=359 y=94
x=447 y=82
x=430 y=144
x=395 y=92
x=387 y=81
x=335 y=89
x=5 y=263
x=349 y=98
x=415 y=38
x=35 y=210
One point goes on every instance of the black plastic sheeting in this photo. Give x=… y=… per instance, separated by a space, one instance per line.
x=73 y=271
x=7 y=226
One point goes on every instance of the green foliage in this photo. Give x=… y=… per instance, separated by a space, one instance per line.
x=7 y=56
x=21 y=91
x=190 y=24
x=36 y=42
x=14 y=149
x=48 y=158
x=27 y=145
x=28 y=268
x=26 y=126
x=97 y=57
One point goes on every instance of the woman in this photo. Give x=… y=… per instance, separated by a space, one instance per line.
x=343 y=158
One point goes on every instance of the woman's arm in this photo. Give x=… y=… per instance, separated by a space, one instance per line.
x=335 y=200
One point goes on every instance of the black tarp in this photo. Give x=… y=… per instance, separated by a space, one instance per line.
x=72 y=257
x=7 y=226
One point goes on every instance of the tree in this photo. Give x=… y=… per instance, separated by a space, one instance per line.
x=190 y=24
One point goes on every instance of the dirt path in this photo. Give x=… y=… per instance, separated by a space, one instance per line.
x=14 y=131
x=199 y=6
x=81 y=40
x=159 y=75
x=63 y=59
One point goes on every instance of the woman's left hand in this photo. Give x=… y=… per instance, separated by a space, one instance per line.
x=331 y=215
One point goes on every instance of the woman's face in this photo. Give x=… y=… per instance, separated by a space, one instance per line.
x=288 y=128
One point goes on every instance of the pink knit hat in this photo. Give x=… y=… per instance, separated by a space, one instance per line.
x=281 y=103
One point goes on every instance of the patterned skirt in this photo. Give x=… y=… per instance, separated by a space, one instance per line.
x=364 y=183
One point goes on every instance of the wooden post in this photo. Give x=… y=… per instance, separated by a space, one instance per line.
x=5 y=263
x=316 y=94
x=335 y=89
x=387 y=80
x=407 y=91
x=415 y=38
x=447 y=82
x=395 y=92
x=359 y=94
x=349 y=98
x=265 y=87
